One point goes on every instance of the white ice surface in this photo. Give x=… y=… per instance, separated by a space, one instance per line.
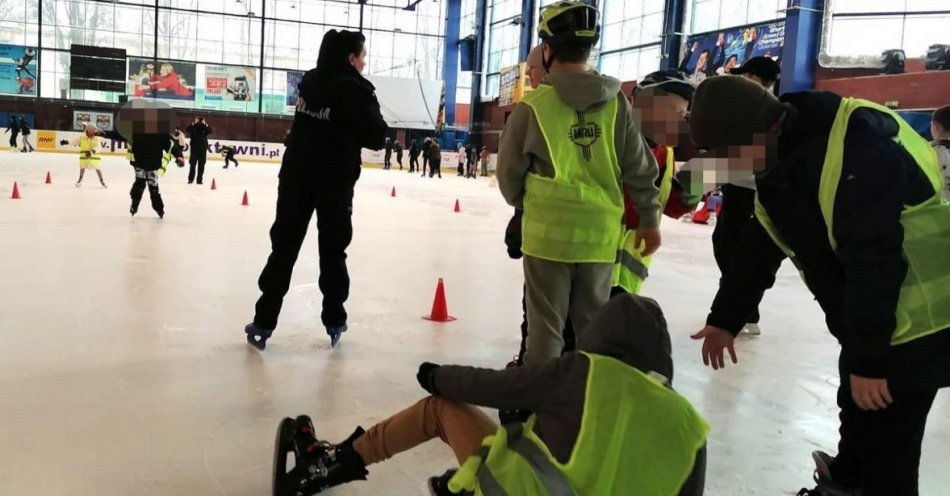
x=123 y=366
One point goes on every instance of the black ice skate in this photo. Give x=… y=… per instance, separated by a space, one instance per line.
x=317 y=465
x=257 y=336
x=335 y=333
x=827 y=486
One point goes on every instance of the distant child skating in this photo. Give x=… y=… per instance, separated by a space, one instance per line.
x=178 y=147
x=435 y=159
x=462 y=156
x=227 y=151
x=89 y=157
x=484 y=161
x=25 y=132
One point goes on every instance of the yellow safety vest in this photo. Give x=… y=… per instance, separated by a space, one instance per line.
x=924 y=304
x=637 y=437
x=575 y=216
x=87 y=144
x=166 y=156
x=632 y=268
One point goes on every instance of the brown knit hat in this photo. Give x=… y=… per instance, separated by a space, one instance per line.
x=728 y=110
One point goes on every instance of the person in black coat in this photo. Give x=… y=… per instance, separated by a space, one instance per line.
x=886 y=390
x=198 y=131
x=397 y=147
x=14 y=130
x=388 y=157
x=25 y=131
x=336 y=115
x=414 y=151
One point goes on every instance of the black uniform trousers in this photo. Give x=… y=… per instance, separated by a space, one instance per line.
x=295 y=208
x=435 y=168
x=197 y=160
x=738 y=207
x=879 y=451
x=413 y=162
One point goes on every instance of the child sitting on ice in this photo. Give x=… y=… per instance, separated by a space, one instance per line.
x=606 y=422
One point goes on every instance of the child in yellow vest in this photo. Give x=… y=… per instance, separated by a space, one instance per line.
x=606 y=417
x=89 y=157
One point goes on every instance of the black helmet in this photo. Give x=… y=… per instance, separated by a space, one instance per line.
x=569 y=22
x=670 y=81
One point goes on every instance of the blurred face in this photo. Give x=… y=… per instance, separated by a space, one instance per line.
x=732 y=62
x=735 y=162
x=662 y=118
x=358 y=63
x=166 y=69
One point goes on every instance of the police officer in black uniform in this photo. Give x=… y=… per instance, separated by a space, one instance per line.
x=337 y=115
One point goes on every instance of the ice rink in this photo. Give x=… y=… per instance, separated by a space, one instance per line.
x=124 y=369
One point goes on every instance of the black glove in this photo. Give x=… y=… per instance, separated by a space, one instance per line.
x=426 y=377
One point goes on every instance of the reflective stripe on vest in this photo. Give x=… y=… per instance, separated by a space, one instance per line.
x=636 y=437
x=632 y=269
x=575 y=216
x=923 y=307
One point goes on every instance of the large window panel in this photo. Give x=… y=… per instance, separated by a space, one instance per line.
x=922 y=31
x=133 y=29
x=54 y=72
x=311 y=37
x=178 y=35
x=712 y=15
x=281 y=42
x=242 y=41
x=856 y=32
x=18 y=33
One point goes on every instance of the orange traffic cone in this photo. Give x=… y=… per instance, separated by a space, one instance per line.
x=244 y=202
x=16 y=192
x=49 y=180
x=393 y=194
x=440 y=310
x=214 y=185
x=458 y=207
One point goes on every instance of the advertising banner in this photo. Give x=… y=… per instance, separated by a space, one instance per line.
x=293 y=79
x=228 y=82
x=102 y=120
x=716 y=53
x=161 y=79
x=18 y=69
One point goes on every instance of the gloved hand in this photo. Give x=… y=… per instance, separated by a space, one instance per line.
x=426 y=377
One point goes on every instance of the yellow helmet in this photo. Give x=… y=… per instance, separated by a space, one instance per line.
x=569 y=22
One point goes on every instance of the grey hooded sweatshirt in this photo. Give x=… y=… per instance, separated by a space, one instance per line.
x=629 y=328
x=523 y=148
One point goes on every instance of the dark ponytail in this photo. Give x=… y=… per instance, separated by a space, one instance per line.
x=336 y=48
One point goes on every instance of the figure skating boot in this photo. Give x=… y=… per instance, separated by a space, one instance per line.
x=318 y=465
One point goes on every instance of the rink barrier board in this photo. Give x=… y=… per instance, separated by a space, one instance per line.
x=251 y=151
